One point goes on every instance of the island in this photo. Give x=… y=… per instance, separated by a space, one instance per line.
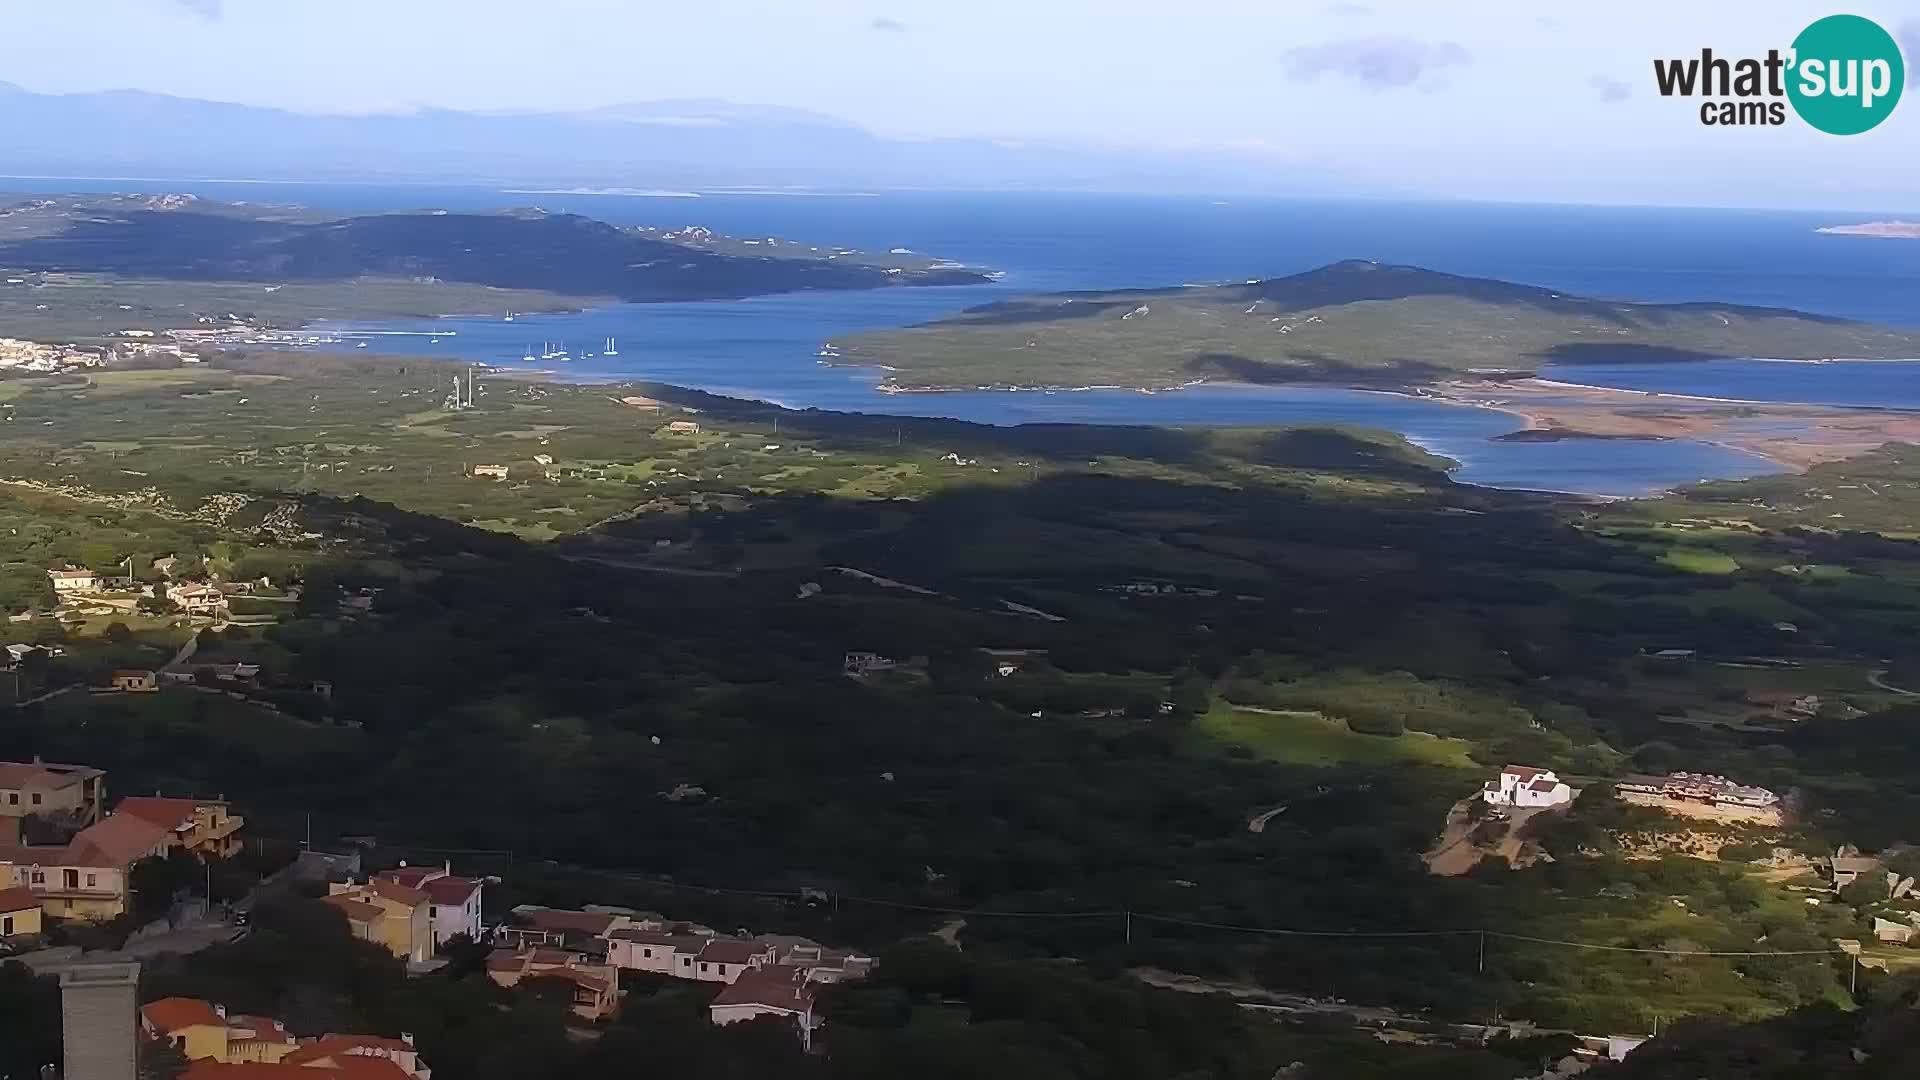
x=94 y=264
x=1886 y=230
x=1353 y=322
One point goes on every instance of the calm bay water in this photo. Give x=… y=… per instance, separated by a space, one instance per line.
x=767 y=347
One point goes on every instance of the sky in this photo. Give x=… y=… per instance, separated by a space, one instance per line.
x=1470 y=98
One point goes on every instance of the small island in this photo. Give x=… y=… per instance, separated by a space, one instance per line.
x=1886 y=230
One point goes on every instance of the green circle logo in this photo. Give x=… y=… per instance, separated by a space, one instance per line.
x=1847 y=75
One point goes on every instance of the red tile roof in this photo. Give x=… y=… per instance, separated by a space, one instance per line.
x=410 y=876
x=116 y=841
x=729 y=951
x=338 y=1046
x=177 y=1013
x=354 y=909
x=396 y=892
x=17 y=899
x=450 y=891
x=1541 y=783
x=344 y=1067
x=43 y=774
x=779 y=987
x=1524 y=773
x=172 y=813
x=586 y=922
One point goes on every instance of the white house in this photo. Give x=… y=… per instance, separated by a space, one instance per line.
x=1528 y=787
x=193 y=597
x=658 y=951
x=453 y=902
x=71 y=581
x=772 y=991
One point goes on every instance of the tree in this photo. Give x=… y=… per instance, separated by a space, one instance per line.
x=29 y=1021
x=160 y=1059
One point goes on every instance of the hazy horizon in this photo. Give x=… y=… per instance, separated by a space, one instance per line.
x=1385 y=100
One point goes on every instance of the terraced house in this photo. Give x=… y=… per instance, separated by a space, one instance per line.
x=206 y=827
x=67 y=796
x=86 y=878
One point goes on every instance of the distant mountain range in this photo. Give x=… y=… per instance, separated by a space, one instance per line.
x=665 y=144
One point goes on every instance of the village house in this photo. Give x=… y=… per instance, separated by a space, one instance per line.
x=1888 y=932
x=725 y=959
x=489 y=472
x=1523 y=786
x=229 y=1046
x=596 y=987
x=20 y=913
x=203 y=1031
x=453 y=902
x=205 y=827
x=773 y=991
x=858 y=664
x=1684 y=792
x=75 y=795
x=683 y=427
x=659 y=951
x=86 y=878
x=388 y=914
x=197 y=599
x=133 y=681
x=560 y=928
x=73 y=581
x=1786 y=703
x=1847 y=866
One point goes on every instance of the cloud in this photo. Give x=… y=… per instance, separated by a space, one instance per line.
x=1909 y=35
x=886 y=25
x=1610 y=90
x=206 y=9
x=1349 y=9
x=1380 y=62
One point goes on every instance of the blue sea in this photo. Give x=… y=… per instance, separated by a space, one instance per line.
x=767 y=347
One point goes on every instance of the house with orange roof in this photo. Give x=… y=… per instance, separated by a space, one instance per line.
x=454 y=902
x=249 y=1047
x=205 y=827
x=20 y=913
x=596 y=987
x=780 y=991
x=201 y=1030
x=404 y=921
x=87 y=878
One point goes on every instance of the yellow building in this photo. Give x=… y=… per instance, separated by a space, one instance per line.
x=390 y=914
x=202 y=826
x=19 y=912
x=202 y=1031
x=69 y=794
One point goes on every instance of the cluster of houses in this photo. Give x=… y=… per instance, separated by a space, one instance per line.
x=219 y=1045
x=1686 y=792
x=767 y=975
x=63 y=855
x=193 y=597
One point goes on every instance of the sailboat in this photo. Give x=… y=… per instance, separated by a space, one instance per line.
x=609 y=350
x=529 y=356
x=509 y=314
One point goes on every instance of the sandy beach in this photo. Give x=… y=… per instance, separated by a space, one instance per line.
x=1794 y=436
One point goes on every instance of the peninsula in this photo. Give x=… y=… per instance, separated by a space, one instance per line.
x=91 y=264
x=1356 y=322
x=1886 y=230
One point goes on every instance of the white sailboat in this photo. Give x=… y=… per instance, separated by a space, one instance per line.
x=509 y=315
x=529 y=355
x=609 y=350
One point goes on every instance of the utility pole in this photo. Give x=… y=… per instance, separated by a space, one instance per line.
x=1483 y=952
x=1129 y=916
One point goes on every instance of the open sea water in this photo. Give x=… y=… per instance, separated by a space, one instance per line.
x=767 y=347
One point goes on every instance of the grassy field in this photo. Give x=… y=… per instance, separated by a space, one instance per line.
x=1308 y=738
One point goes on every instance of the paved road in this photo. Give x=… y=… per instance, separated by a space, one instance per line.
x=1878 y=679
